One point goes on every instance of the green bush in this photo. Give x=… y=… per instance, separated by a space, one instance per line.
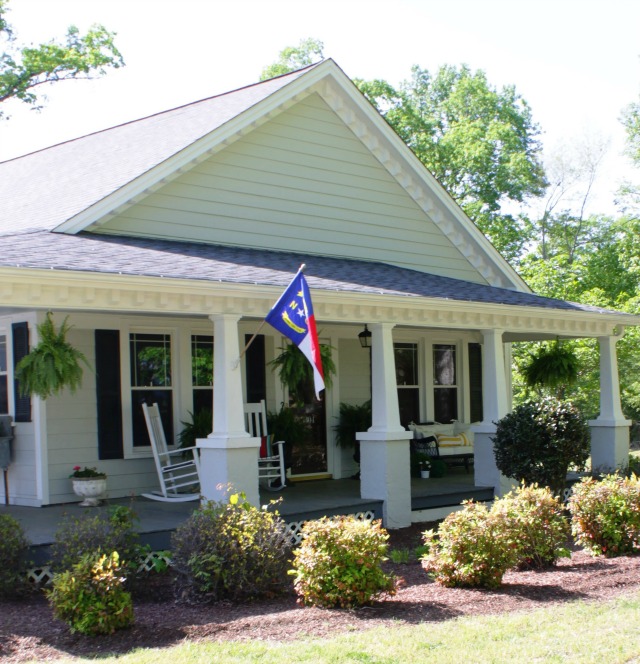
x=538 y=441
x=101 y=533
x=537 y=522
x=14 y=564
x=338 y=563
x=90 y=597
x=473 y=547
x=231 y=551
x=605 y=515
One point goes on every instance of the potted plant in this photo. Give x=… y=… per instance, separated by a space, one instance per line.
x=90 y=484
x=52 y=364
x=424 y=464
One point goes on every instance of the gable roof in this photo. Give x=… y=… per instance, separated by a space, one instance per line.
x=77 y=185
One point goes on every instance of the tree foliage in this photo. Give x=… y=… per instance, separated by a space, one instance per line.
x=479 y=142
x=79 y=56
x=294 y=57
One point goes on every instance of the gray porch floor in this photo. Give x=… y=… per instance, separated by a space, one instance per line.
x=303 y=501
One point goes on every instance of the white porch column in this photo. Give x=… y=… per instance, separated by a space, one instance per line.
x=610 y=431
x=228 y=456
x=384 y=449
x=495 y=403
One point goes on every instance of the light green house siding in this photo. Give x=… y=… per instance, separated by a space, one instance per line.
x=301 y=182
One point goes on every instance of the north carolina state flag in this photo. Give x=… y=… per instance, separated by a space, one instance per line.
x=292 y=315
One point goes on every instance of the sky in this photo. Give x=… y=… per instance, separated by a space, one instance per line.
x=576 y=63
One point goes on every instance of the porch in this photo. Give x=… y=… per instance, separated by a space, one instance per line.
x=430 y=499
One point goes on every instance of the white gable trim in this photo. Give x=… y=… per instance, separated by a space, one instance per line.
x=328 y=80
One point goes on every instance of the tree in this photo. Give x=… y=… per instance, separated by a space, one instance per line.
x=480 y=143
x=295 y=57
x=25 y=68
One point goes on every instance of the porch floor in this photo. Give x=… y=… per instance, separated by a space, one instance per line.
x=301 y=502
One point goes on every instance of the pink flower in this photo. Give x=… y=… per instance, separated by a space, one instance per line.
x=76 y=467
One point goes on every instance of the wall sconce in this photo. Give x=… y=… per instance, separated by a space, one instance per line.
x=365 y=337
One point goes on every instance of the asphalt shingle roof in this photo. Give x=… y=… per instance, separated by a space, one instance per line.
x=106 y=254
x=46 y=188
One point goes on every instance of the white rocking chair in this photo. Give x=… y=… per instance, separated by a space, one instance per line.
x=271 y=462
x=178 y=470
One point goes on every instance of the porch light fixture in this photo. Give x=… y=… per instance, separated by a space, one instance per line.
x=365 y=337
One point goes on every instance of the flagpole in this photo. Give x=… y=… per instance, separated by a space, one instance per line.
x=264 y=322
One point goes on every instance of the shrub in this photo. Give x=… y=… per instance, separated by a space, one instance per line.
x=472 y=548
x=231 y=551
x=339 y=563
x=14 y=549
x=101 y=533
x=539 y=441
x=537 y=523
x=605 y=515
x=90 y=597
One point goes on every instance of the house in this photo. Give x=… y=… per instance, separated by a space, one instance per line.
x=166 y=241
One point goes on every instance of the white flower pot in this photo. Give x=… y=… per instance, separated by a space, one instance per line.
x=92 y=489
x=424 y=474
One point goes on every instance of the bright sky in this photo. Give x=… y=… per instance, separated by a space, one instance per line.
x=576 y=62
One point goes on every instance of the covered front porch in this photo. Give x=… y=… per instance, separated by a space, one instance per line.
x=430 y=499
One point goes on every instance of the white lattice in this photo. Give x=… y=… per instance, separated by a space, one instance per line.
x=43 y=575
x=294 y=528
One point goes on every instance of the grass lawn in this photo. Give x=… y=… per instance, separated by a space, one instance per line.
x=573 y=632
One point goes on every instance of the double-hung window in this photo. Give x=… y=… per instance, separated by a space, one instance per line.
x=202 y=372
x=4 y=380
x=445 y=383
x=407 y=381
x=150 y=382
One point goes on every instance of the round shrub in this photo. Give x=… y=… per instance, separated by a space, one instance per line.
x=101 y=533
x=231 y=551
x=539 y=441
x=537 y=522
x=14 y=549
x=90 y=597
x=339 y=563
x=605 y=515
x=472 y=548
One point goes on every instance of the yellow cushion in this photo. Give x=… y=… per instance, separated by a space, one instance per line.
x=458 y=440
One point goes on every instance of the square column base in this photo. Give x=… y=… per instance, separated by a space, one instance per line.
x=609 y=445
x=486 y=472
x=385 y=474
x=229 y=465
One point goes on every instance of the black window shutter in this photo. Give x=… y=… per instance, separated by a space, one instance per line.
x=20 y=333
x=475 y=382
x=110 y=441
x=256 y=369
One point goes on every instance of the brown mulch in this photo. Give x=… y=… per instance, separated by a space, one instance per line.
x=29 y=632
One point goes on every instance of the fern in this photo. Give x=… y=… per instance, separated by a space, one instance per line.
x=52 y=364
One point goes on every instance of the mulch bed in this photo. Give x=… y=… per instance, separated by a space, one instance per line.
x=28 y=631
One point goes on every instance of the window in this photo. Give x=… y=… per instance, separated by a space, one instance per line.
x=202 y=372
x=406 y=359
x=150 y=356
x=445 y=386
x=4 y=393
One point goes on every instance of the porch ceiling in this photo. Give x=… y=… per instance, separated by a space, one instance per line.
x=125 y=274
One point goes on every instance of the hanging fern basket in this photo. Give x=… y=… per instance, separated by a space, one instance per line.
x=52 y=364
x=551 y=366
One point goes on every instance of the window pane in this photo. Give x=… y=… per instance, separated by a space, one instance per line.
x=445 y=403
x=150 y=360
x=202 y=399
x=406 y=357
x=409 y=403
x=3 y=353
x=444 y=364
x=4 y=397
x=202 y=360
x=165 y=403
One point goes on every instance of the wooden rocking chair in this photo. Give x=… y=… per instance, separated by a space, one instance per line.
x=178 y=470
x=271 y=470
